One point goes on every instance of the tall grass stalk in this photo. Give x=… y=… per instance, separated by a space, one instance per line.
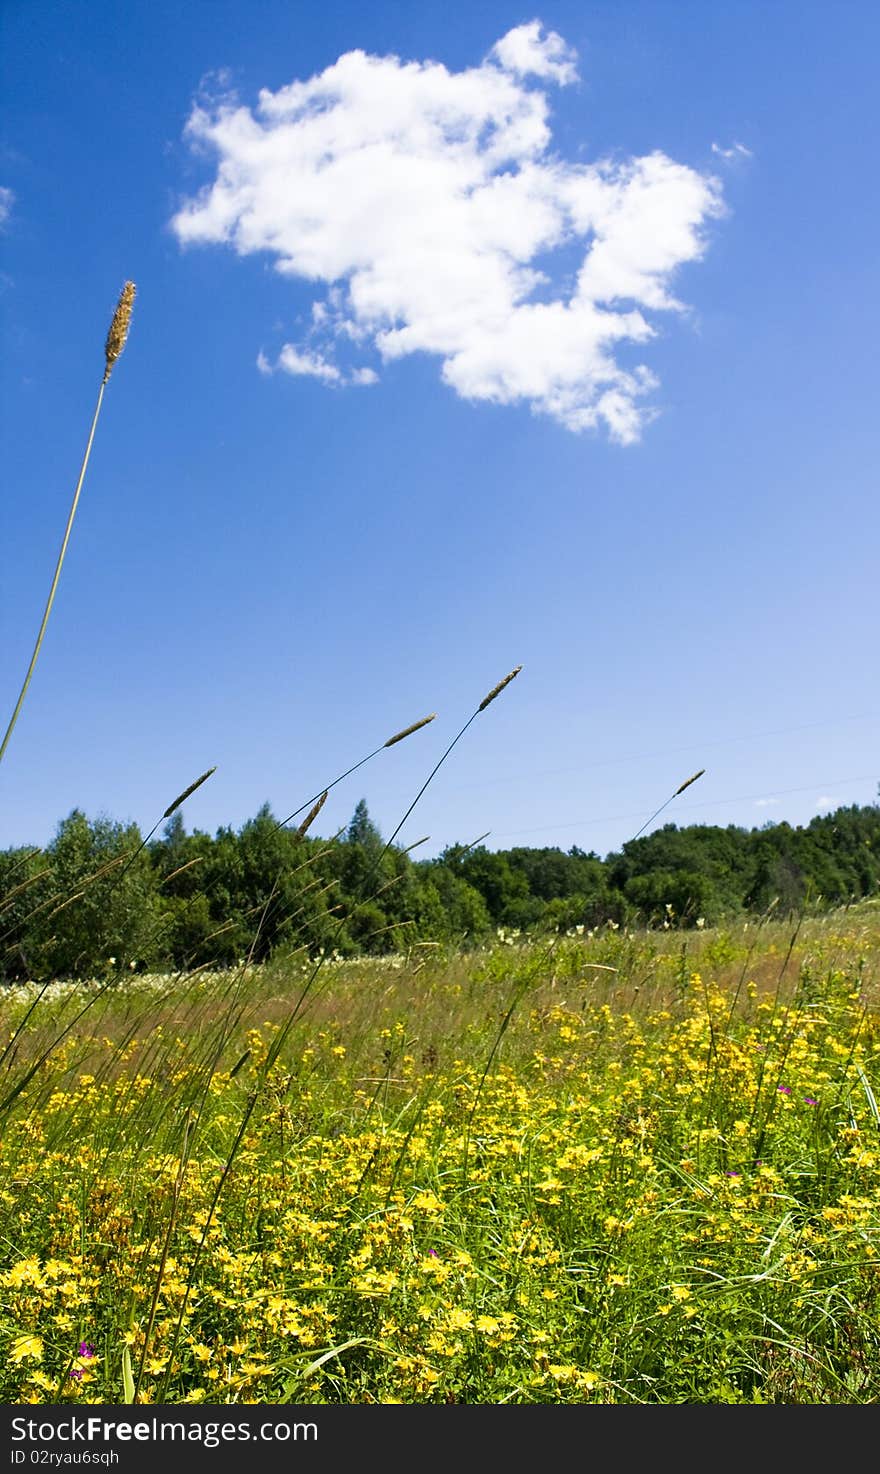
x=680 y=789
x=115 y=343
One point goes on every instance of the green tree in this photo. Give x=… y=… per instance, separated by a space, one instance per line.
x=106 y=900
x=362 y=830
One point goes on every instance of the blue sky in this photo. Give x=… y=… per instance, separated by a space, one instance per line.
x=527 y=336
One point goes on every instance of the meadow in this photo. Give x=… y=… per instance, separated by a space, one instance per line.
x=610 y=1167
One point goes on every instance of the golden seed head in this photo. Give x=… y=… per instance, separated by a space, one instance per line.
x=496 y=690
x=408 y=731
x=187 y=791
x=688 y=781
x=119 y=328
x=312 y=815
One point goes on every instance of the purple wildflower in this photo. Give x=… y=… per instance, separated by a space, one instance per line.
x=84 y=1349
x=810 y=1100
x=783 y=1089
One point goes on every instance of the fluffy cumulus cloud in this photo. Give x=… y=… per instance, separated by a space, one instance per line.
x=7 y=200
x=431 y=212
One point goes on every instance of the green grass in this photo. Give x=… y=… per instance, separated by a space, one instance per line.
x=619 y=1168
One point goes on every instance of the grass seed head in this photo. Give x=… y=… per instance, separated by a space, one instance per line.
x=688 y=781
x=312 y=815
x=496 y=690
x=408 y=731
x=119 y=328
x=187 y=791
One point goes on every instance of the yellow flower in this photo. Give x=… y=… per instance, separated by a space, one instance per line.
x=458 y=1320
x=428 y=1202
x=26 y=1272
x=47 y=1384
x=26 y=1347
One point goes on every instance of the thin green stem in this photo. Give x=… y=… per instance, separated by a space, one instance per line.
x=58 y=566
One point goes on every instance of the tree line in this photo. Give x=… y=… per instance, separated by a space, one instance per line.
x=100 y=898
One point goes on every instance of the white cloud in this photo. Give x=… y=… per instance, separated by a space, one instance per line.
x=7 y=200
x=428 y=205
x=737 y=151
x=827 y=802
x=311 y=365
x=300 y=364
x=304 y=364
x=526 y=53
x=766 y=803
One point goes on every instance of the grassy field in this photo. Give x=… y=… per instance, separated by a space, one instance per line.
x=611 y=1168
